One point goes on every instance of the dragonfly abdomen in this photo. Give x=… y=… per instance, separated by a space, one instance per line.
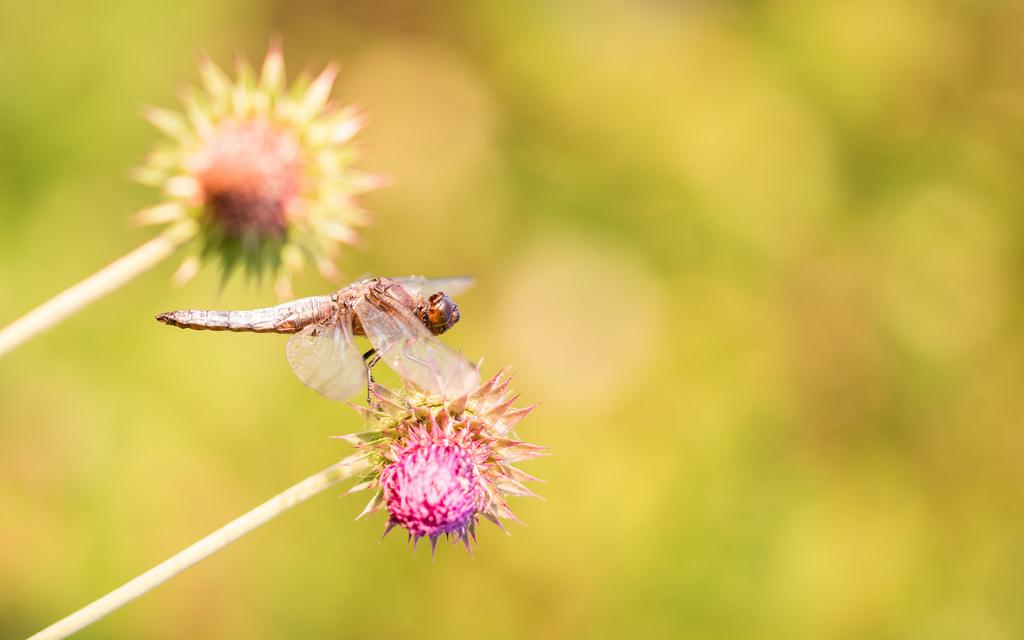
x=217 y=320
x=284 y=318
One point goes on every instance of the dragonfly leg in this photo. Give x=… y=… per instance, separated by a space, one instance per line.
x=371 y=357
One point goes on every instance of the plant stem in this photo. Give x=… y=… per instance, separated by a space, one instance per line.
x=111 y=277
x=207 y=546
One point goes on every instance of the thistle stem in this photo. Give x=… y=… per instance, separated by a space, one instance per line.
x=203 y=548
x=111 y=277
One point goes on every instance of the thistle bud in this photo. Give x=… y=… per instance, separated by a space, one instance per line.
x=260 y=174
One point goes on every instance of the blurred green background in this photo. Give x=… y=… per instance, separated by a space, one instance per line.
x=759 y=262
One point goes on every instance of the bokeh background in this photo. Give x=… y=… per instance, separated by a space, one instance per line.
x=760 y=263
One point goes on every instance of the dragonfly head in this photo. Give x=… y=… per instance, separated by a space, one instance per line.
x=441 y=313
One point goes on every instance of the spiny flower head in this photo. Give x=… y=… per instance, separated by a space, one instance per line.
x=259 y=172
x=433 y=486
x=438 y=464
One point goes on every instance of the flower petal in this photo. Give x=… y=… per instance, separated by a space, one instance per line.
x=317 y=94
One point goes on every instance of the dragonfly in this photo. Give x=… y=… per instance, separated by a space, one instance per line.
x=401 y=318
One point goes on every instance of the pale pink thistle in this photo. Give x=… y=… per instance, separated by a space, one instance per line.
x=259 y=172
x=250 y=174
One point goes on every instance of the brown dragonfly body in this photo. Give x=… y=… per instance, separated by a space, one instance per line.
x=291 y=317
x=399 y=316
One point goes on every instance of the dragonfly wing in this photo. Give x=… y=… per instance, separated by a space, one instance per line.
x=326 y=359
x=415 y=354
x=427 y=286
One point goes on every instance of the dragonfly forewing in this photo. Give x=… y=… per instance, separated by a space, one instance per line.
x=326 y=359
x=405 y=345
x=453 y=286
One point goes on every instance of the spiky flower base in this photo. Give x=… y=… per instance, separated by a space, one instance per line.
x=439 y=464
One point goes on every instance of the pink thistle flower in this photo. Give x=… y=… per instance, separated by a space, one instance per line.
x=260 y=174
x=439 y=464
x=433 y=486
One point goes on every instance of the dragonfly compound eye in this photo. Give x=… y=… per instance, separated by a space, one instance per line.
x=442 y=313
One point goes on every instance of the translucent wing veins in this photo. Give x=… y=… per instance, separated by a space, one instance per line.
x=325 y=358
x=415 y=354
